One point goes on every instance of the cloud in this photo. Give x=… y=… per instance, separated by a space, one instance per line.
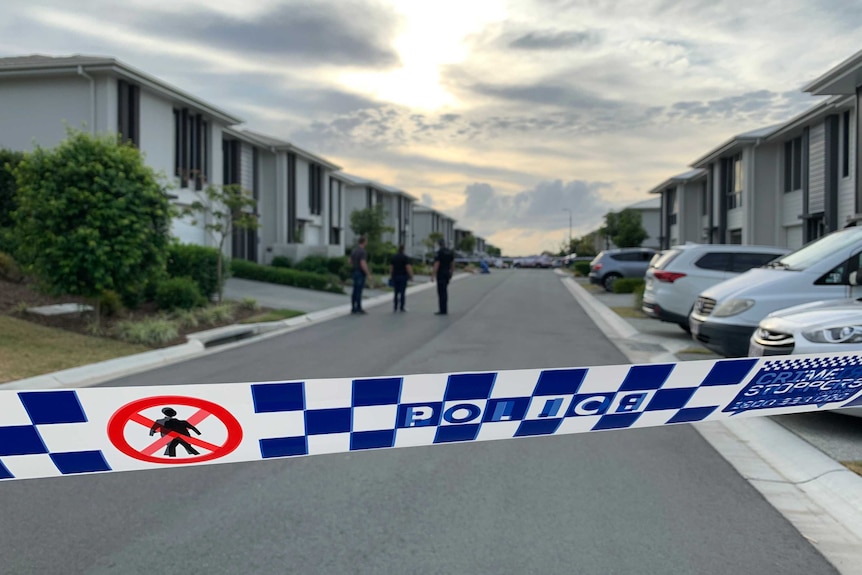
x=349 y=33
x=538 y=208
x=551 y=40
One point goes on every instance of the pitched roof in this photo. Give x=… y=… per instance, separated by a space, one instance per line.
x=38 y=64
x=650 y=204
x=734 y=144
x=277 y=144
x=814 y=114
x=840 y=79
x=682 y=178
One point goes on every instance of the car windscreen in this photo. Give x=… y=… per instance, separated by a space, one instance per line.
x=818 y=250
x=660 y=261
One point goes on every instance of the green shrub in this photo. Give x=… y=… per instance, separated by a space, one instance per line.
x=222 y=313
x=9 y=160
x=110 y=303
x=312 y=263
x=627 y=285
x=151 y=332
x=281 y=262
x=179 y=293
x=91 y=216
x=9 y=269
x=582 y=268
x=340 y=266
x=187 y=318
x=639 y=296
x=197 y=262
x=290 y=277
x=249 y=303
x=380 y=269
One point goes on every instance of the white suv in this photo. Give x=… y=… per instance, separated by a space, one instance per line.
x=676 y=276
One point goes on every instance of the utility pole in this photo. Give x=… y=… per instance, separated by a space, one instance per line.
x=570 y=228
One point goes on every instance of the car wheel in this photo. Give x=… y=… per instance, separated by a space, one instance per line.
x=608 y=281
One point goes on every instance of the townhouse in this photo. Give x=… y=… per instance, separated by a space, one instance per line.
x=362 y=193
x=192 y=142
x=427 y=220
x=782 y=185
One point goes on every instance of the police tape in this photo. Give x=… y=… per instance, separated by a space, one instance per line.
x=97 y=430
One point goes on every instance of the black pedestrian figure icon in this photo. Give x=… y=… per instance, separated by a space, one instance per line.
x=178 y=426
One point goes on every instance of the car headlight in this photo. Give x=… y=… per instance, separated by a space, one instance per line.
x=840 y=334
x=732 y=307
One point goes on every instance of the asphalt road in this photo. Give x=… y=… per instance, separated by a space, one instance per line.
x=646 y=501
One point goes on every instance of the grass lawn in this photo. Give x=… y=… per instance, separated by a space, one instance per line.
x=853 y=466
x=274 y=315
x=28 y=349
x=625 y=311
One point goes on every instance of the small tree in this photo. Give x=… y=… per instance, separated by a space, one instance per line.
x=431 y=241
x=9 y=160
x=467 y=244
x=228 y=208
x=493 y=251
x=624 y=228
x=371 y=223
x=91 y=217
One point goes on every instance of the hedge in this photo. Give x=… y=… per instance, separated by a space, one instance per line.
x=628 y=285
x=582 y=268
x=284 y=276
x=197 y=262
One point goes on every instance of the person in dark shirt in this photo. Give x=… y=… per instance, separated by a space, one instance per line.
x=400 y=271
x=178 y=426
x=358 y=259
x=444 y=268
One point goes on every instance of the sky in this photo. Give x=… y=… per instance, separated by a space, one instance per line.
x=503 y=114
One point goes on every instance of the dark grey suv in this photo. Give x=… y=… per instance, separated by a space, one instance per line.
x=619 y=263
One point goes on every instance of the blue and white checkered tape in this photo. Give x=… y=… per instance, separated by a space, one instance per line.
x=54 y=433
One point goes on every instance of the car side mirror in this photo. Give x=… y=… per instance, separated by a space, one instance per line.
x=852 y=278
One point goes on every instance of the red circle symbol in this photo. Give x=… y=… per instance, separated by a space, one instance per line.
x=131 y=413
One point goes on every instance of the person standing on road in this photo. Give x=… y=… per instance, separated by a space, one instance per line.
x=444 y=268
x=400 y=271
x=359 y=261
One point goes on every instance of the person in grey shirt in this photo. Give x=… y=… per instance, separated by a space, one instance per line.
x=359 y=262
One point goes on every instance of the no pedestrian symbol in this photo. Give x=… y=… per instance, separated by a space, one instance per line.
x=156 y=440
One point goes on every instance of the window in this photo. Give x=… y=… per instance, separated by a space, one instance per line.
x=845 y=144
x=840 y=274
x=715 y=261
x=191 y=148
x=733 y=181
x=315 y=189
x=128 y=112
x=793 y=165
x=735 y=237
x=292 y=230
x=369 y=197
x=815 y=227
x=742 y=262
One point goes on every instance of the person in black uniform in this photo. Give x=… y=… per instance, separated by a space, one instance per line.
x=444 y=268
x=400 y=271
x=179 y=426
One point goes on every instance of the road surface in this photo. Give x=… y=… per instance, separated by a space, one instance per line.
x=632 y=501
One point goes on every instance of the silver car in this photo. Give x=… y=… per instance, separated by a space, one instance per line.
x=611 y=265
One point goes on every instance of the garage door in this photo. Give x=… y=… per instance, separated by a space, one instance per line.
x=793 y=237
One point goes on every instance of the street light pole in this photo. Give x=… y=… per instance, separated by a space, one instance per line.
x=570 y=227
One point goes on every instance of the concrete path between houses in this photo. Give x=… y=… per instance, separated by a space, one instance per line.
x=818 y=495
x=319 y=307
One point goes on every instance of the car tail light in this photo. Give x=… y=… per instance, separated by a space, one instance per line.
x=668 y=277
x=597 y=267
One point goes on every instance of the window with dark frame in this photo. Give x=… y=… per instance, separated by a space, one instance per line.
x=845 y=144
x=191 y=148
x=793 y=165
x=733 y=181
x=315 y=189
x=129 y=112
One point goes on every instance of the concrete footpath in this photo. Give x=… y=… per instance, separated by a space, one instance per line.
x=219 y=339
x=815 y=493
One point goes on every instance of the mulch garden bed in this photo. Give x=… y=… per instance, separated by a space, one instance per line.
x=16 y=297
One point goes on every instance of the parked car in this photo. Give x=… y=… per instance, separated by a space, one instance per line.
x=676 y=276
x=611 y=265
x=725 y=315
x=819 y=327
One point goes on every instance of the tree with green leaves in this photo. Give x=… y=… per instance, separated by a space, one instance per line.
x=467 y=244
x=431 y=242
x=493 y=251
x=371 y=223
x=624 y=228
x=229 y=208
x=91 y=217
